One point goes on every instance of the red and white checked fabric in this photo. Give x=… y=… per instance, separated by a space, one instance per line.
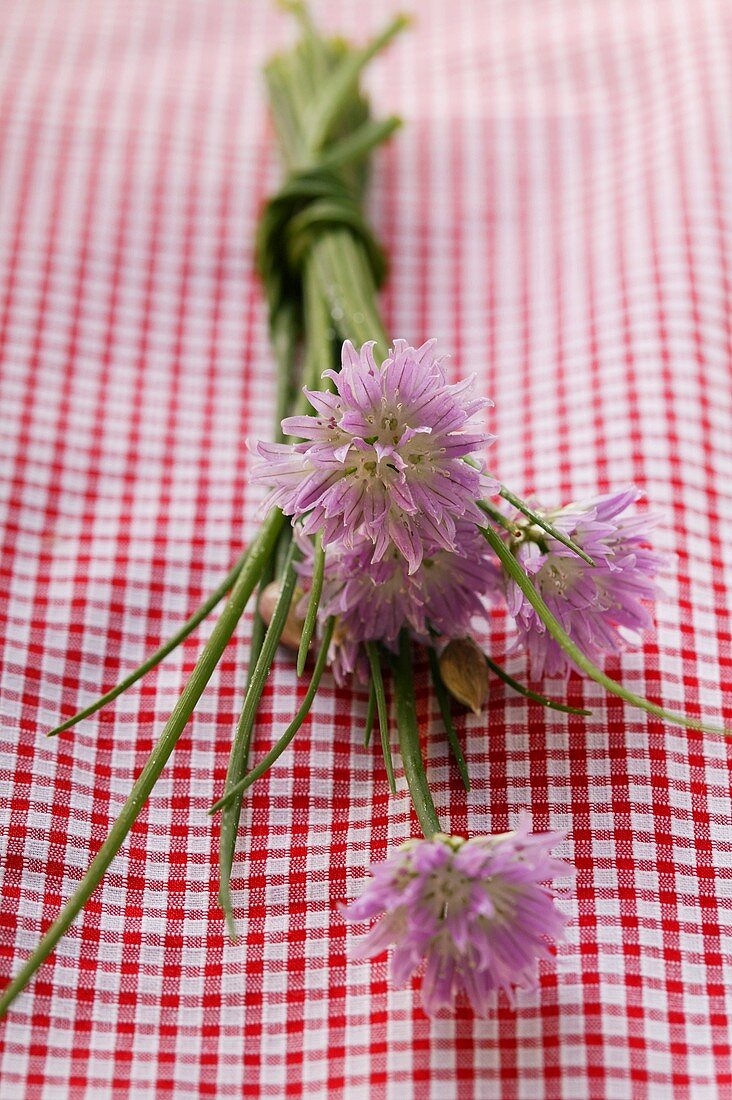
x=557 y=210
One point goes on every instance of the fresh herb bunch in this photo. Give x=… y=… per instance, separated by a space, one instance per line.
x=398 y=536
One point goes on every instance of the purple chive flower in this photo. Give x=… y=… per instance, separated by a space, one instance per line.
x=474 y=910
x=383 y=459
x=601 y=608
x=373 y=601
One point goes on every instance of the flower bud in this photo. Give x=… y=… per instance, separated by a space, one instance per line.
x=464 y=673
x=294 y=622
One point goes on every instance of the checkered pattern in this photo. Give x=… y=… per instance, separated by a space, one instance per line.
x=557 y=209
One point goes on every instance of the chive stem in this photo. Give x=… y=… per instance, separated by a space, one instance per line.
x=443 y=701
x=308 y=628
x=274 y=754
x=409 y=741
x=160 y=654
x=545 y=525
x=573 y=651
x=544 y=700
x=370 y=715
x=377 y=680
x=341 y=83
x=210 y=655
x=242 y=738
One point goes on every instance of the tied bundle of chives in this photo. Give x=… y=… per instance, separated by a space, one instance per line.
x=399 y=536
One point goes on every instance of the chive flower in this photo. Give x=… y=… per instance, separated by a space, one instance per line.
x=374 y=601
x=474 y=911
x=602 y=608
x=384 y=458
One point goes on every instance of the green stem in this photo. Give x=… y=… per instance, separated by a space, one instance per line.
x=444 y=704
x=319 y=332
x=352 y=308
x=283 y=337
x=529 y=694
x=242 y=738
x=259 y=552
x=308 y=627
x=498 y=517
x=284 y=342
x=359 y=143
x=370 y=715
x=283 y=112
x=340 y=86
x=160 y=654
x=545 y=525
x=281 y=550
x=274 y=754
x=573 y=651
x=283 y=334
x=259 y=627
x=409 y=742
x=378 y=683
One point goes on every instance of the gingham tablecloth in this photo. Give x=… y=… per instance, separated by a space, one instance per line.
x=557 y=209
